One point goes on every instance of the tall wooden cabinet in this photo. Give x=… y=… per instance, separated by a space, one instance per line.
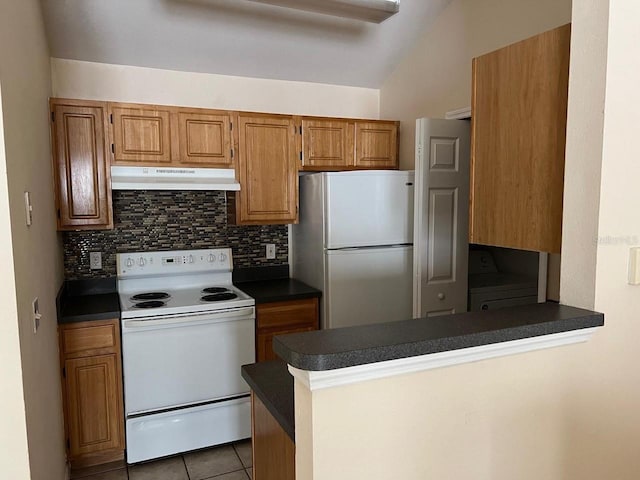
x=80 y=148
x=519 y=113
x=267 y=170
x=92 y=391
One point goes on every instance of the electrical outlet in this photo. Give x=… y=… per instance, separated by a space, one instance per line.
x=95 y=260
x=271 y=251
x=36 y=315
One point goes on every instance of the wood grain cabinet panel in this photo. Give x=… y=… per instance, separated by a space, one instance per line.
x=274 y=453
x=267 y=164
x=81 y=165
x=376 y=145
x=205 y=139
x=279 y=318
x=92 y=391
x=141 y=134
x=519 y=113
x=94 y=422
x=327 y=144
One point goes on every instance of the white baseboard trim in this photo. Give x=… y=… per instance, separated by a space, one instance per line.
x=317 y=380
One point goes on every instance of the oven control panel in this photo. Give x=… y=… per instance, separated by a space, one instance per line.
x=176 y=261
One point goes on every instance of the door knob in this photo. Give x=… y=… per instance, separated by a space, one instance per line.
x=441 y=296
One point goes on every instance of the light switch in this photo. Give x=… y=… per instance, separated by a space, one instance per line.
x=634 y=266
x=28 y=209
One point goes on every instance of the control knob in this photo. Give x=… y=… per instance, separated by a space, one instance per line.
x=142 y=262
x=130 y=262
x=191 y=259
x=212 y=258
x=223 y=257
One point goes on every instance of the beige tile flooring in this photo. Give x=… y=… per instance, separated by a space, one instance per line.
x=228 y=462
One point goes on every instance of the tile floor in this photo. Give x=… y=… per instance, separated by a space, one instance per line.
x=228 y=462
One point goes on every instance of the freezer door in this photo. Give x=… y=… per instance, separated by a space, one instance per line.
x=368 y=208
x=368 y=285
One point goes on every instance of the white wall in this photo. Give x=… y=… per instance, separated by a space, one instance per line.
x=98 y=81
x=435 y=76
x=587 y=78
x=31 y=263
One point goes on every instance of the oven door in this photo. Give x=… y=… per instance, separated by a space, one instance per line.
x=180 y=360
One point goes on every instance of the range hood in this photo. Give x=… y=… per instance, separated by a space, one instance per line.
x=173 y=178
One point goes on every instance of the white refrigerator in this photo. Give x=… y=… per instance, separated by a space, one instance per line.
x=354 y=242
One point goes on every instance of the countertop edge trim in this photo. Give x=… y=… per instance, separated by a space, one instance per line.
x=318 y=380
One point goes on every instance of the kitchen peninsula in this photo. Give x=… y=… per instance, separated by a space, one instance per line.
x=362 y=391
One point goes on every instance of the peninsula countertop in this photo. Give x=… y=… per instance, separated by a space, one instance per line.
x=348 y=347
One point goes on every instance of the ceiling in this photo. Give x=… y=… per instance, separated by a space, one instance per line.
x=236 y=37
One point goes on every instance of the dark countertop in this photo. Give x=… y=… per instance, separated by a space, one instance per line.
x=272 y=383
x=278 y=290
x=272 y=284
x=85 y=300
x=347 y=347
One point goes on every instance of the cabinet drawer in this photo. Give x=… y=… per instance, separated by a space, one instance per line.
x=289 y=313
x=89 y=338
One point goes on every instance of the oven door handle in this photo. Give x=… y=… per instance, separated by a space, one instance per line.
x=208 y=317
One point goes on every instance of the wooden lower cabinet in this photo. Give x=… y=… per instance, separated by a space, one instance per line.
x=92 y=391
x=279 y=318
x=274 y=453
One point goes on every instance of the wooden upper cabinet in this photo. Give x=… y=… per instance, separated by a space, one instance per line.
x=267 y=170
x=376 y=144
x=81 y=165
x=327 y=144
x=519 y=113
x=205 y=139
x=141 y=134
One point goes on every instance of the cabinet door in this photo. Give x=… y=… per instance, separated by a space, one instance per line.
x=94 y=404
x=141 y=134
x=376 y=145
x=519 y=113
x=205 y=139
x=279 y=318
x=267 y=169
x=81 y=168
x=264 y=344
x=327 y=144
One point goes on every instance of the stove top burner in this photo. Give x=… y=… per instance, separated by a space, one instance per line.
x=215 y=290
x=150 y=304
x=150 y=296
x=219 y=297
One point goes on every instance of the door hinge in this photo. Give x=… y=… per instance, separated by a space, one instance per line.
x=53 y=116
x=231 y=125
x=59 y=217
x=113 y=148
x=300 y=129
x=111 y=117
x=68 y=444
x=300 y=156
x=232 y=153
x=64 y=369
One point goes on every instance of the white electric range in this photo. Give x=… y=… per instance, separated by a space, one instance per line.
x=186 y=331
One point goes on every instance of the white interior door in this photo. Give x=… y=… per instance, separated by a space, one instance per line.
x=441 y=222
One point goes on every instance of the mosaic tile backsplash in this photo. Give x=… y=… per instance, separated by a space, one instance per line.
x=168 y=220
